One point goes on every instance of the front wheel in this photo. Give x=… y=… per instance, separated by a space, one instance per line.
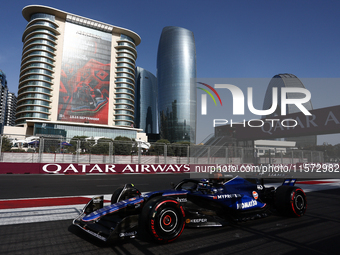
x=162 y=219
x=291 y=201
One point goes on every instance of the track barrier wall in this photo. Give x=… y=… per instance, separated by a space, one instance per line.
x=46 y=155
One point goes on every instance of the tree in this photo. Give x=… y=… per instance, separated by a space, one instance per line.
x=163 y=141
x=102 y=146
x=331 y=152
x=180 y=149
x=158 y=147
x=6 y=144
x=85 y=145
x=122 y=145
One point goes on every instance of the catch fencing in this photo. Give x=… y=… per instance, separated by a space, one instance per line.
x=63 y=150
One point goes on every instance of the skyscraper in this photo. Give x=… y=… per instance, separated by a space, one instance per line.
x=288 y=80
x=3 y=99
x=11 y=109
x=77 y=74
x=176 y=66
x=146 y=103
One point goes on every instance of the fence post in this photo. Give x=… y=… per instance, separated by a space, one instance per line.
x=78 y=149
x=311 y=156
x=292 y=158
x=1 y=136
x=114 y=152
x=139 y=153
x=242 y=155
x=323 y=156
x=41 y=149
x=165 y=153
x=209 y=155
x=63 y=148
x=89 y=152
x=110 y=151
x=188 y=154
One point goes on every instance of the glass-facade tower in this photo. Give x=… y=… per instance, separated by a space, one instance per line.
x=288 y=80
x=146 y=103
x=176 y=66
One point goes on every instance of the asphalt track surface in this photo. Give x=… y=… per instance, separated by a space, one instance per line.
x=318 y=232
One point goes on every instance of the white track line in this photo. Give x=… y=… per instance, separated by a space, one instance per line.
x=44 y=213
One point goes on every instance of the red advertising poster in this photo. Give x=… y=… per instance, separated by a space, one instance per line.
x=85 y=75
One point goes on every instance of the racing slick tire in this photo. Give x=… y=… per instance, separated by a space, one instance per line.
x=161 y=220
x=291 y=201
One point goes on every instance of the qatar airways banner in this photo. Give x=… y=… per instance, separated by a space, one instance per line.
x=298 y=170
x=74 y=168
x=112 y=168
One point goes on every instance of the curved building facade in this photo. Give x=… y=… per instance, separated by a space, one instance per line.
x=146 y=103
x=37 y=67
x=75 y=70
x=125 y=81
x=176 y=66
x=288 y=80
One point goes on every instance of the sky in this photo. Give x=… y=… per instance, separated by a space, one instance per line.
x=234 y=39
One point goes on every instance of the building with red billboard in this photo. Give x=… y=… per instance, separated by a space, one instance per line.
x=77 y=76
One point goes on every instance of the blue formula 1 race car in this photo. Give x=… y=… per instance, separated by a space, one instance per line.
x=162 y=215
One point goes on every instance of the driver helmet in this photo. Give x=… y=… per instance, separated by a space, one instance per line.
x=204 y=183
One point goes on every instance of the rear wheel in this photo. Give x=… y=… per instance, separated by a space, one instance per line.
x=162 y=219
x=291 y=201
